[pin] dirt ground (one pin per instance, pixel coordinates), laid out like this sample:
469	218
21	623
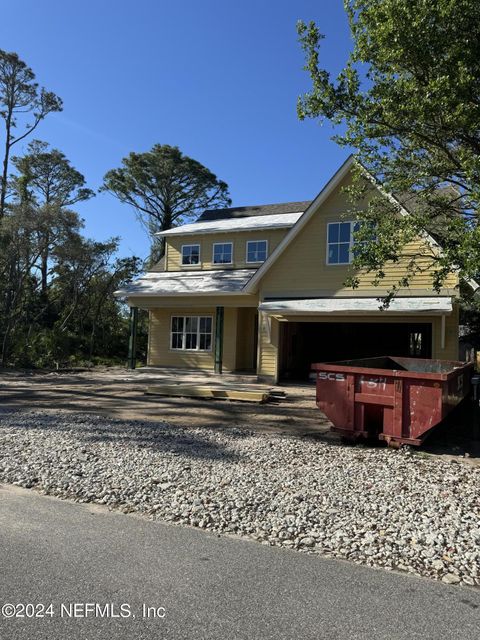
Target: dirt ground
120	393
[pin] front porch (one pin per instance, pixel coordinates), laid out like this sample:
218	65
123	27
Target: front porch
217	339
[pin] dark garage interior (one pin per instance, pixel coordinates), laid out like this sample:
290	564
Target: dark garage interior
302	343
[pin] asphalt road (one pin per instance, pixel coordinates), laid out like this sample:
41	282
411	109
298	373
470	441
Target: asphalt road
206	587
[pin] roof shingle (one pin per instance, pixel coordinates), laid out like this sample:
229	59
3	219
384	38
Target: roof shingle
253	210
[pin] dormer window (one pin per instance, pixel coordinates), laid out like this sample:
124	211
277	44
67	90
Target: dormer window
256	250
223	253
190	254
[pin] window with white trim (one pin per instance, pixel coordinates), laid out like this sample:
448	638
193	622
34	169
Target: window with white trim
340	241
256	250
191	333
190	254
222	253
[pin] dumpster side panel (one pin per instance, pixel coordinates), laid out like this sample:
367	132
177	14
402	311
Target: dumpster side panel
335	397
422	405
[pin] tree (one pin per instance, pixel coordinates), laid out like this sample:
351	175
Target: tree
56	302
165	188
47	180
408	102
21	100
17	281
76	319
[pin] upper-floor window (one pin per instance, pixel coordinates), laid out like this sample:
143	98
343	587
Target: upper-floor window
256	250
340	242
191	333
222	253
191	254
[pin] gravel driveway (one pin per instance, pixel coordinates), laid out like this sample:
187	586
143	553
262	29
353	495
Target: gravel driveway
378	507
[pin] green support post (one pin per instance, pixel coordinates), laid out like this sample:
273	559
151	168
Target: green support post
219	340
132	342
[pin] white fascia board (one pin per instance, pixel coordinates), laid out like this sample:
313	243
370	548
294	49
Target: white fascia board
331	185
181	294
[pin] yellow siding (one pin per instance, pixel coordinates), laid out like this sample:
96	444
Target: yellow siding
160	354
450	352
197	302
206	242
268	344
302	267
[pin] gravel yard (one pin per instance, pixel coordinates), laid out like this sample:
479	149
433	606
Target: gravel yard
379	507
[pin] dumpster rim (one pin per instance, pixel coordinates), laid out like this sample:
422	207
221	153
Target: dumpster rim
396	373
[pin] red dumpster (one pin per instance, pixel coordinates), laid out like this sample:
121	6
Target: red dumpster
398	400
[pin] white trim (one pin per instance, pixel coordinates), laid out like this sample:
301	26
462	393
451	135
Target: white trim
216	244
331	185
192	244
247	261
180	294
184	332
416	306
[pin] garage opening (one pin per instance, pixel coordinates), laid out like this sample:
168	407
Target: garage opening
302	343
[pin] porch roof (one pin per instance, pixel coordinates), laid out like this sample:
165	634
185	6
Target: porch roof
171	283
343	306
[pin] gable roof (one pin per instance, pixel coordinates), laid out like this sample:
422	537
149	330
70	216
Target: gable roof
300	224
229	225
331	185
253	210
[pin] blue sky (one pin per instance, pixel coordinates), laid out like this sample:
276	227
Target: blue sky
218	78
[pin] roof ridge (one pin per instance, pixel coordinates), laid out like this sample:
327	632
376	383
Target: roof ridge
259	206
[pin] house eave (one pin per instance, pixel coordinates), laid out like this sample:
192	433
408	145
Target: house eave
180	294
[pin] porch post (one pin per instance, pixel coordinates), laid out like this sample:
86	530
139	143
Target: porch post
132	342
219	339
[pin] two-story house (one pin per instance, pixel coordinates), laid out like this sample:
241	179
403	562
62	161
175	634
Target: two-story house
261	289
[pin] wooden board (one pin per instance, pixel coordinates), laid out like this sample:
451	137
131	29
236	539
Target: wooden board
218	393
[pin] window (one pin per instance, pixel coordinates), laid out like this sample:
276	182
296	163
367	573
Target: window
191	333
191	254
340	241
256	250
415	339
222	253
